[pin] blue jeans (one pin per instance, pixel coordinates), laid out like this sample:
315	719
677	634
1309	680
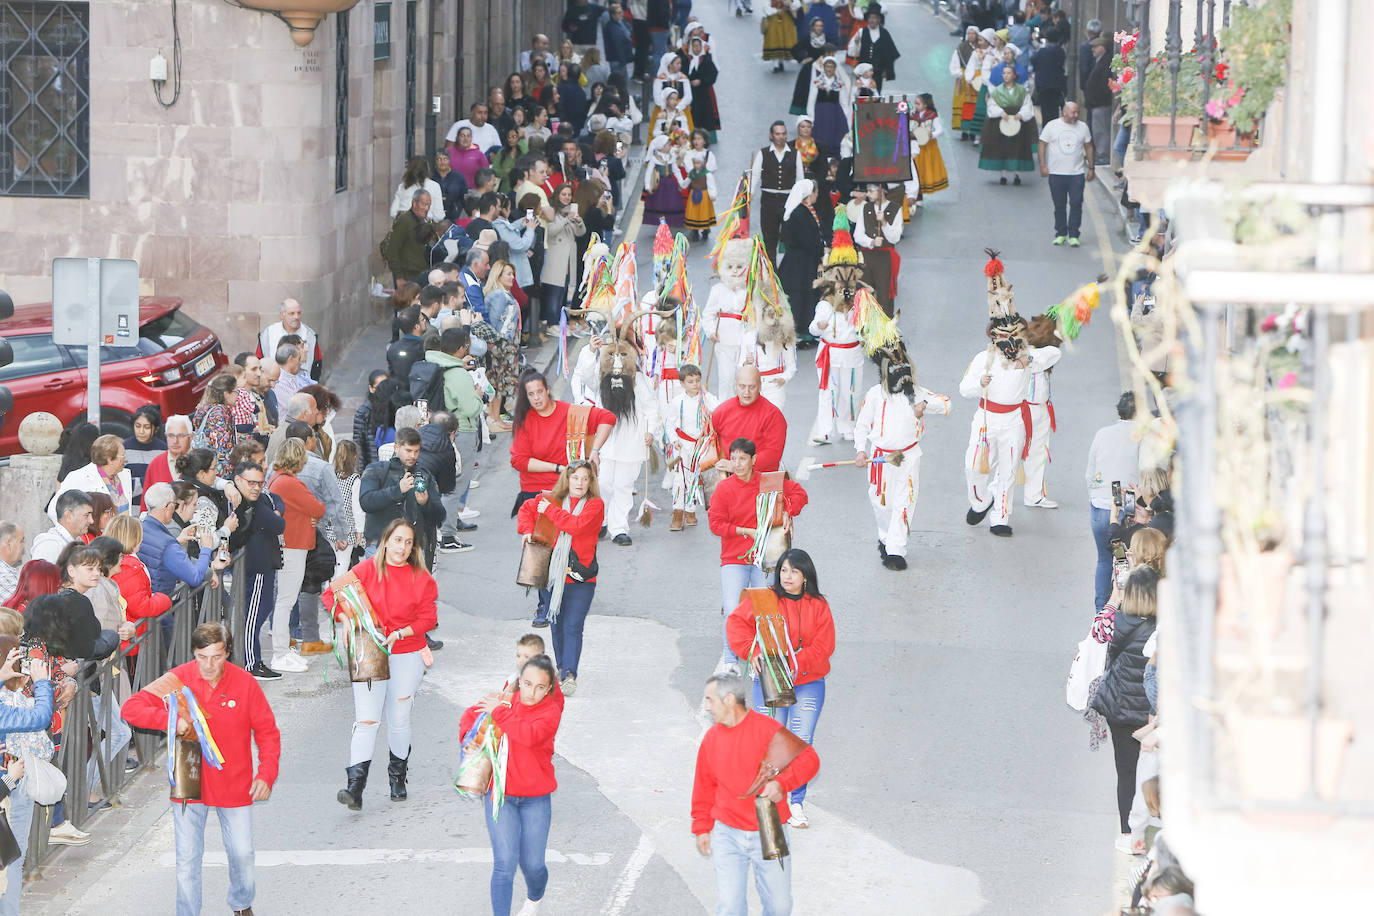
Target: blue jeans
236	827
735	578
1102	582
552	300
519	836
21	820
567	626
1067	189
800	718
732	852
1123	141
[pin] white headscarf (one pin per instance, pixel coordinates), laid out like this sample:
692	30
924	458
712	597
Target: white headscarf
800	191
807	118
664	61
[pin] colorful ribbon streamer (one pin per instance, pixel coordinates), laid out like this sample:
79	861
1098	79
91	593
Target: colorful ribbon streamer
209	750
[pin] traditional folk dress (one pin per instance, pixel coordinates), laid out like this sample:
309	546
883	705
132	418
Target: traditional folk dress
887	425
698	182
881	262
705	113
876	47
1003	420
684	420
840	369
930	175
1002	153
779	29
977	74
807	53
669	80
776	364
828	103
965	96
663	183
724	317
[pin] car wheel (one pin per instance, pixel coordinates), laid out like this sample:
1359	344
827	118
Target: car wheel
112	422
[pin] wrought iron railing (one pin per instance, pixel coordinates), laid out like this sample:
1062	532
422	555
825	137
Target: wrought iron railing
90	715
1174	80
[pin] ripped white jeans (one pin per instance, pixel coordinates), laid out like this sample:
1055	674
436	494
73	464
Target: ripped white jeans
395	696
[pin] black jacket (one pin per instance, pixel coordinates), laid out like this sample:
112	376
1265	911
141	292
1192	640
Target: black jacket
379	494
403	354
1121	696
1096	92
437	457
363	431
261	524
1048	64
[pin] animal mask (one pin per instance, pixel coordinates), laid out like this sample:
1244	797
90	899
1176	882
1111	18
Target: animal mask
1042	332
775	327
895	368
734	262
1009	336
839	283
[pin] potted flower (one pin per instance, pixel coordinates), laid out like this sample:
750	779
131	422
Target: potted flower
1253	68
1165	124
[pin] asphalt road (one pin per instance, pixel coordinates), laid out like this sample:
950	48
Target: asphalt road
953	778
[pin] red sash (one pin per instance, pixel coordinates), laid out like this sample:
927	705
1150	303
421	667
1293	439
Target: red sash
681	434
737	317
774	371
875	468
1049	405
1024	407
823	359
669	374
896	268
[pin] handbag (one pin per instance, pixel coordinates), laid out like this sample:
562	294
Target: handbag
46	783
1086	666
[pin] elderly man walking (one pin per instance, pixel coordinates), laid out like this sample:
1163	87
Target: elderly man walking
1066	156
291	323
301	407
728	777
406	246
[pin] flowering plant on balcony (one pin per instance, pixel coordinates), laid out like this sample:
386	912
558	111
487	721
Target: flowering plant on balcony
1254	63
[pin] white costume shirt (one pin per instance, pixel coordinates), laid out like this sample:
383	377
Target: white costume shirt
722	314
1009	384
626	441
892	231
773	362
839	329
889	422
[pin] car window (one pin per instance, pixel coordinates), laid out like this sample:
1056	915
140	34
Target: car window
167	331
34	354
115	354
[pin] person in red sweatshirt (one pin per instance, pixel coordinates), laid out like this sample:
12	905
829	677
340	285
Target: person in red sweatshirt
539	449
733	516
405	601
748	416
528	718
575	509
724	823
811	632
238	717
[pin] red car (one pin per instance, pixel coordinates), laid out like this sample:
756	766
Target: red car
169	367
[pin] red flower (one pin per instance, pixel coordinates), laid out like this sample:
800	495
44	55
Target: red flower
1221	72
1270	323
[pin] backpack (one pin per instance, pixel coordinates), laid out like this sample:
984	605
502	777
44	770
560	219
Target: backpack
427	383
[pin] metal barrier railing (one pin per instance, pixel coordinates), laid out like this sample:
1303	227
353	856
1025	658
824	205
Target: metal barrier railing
91	714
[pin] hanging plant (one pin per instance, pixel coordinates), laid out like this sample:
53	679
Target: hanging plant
1254	64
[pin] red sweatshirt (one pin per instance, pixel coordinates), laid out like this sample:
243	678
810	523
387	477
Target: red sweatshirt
760	423
546	438
238	715
137	591
405	598
727	763
735	504
159	471
530	731
583	527
809	625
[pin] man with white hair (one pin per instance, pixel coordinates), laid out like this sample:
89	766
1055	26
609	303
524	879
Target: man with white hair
298	407
177	432
292	379
291	323
472	278
540	50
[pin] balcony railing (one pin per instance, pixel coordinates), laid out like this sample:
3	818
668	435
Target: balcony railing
1174	81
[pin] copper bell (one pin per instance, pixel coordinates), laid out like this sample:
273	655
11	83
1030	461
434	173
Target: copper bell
771	838
776	684
186	771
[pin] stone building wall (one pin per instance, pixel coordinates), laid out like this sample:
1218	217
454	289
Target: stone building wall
228	199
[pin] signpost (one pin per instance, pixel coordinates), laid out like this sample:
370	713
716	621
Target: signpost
882	144
94	304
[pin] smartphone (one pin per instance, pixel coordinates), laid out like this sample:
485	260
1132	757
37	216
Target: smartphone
1118	549
572	208
529	214
1128	504
1116	492
222	552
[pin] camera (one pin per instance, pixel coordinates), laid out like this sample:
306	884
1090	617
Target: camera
421	483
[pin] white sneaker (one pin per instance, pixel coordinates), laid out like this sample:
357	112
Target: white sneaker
1043	503
798	819
468	515
66	834
530	908
474	484
288	662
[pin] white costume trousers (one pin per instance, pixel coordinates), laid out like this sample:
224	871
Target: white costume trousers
838	404
777	394
1006	437
1039	455
726	360
894	502
618	490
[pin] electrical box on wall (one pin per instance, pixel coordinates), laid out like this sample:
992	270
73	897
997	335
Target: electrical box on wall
157	69
437	101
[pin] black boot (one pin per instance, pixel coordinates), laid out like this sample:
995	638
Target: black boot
352	794
396	772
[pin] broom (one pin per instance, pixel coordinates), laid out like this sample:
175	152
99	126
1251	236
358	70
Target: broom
646	506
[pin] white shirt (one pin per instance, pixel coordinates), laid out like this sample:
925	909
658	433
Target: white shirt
1064	146
1009	384
721	315
775	363
756	171
527	59
688	414
271	336
484	137
1114	455
405	196
838	329
888	421
892	231
48	545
